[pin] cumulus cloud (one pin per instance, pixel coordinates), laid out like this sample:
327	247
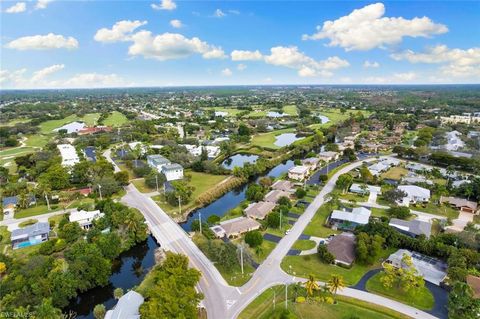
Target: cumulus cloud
227	72
17	8
164	5
367	28
219	13
367	64
396	78
42	4
93	80
43	73
241	67
241	55
176	23
456	62
43	42
121	31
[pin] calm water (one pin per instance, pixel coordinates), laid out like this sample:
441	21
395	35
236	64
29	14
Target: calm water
239	160
128	271
285	139
231	199
323	119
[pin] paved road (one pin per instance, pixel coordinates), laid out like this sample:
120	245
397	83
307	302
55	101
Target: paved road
108	155
12	223
223	301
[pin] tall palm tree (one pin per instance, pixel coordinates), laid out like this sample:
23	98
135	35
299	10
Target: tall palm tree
311	285
335	283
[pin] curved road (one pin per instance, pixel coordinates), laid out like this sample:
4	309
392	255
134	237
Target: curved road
224	301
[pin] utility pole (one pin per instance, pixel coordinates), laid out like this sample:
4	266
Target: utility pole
286	297
180	205
274	297
280	220
200	221
241	257
100	191
48	202
156	181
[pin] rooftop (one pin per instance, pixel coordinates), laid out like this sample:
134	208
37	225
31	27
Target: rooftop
416	226
343	248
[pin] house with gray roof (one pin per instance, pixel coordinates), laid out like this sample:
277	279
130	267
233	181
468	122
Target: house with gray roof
172	171
275	195
235	227
31	235
259	210
412	228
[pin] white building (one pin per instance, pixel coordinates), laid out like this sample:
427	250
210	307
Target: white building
73	127
340	219
415	194
328	156
212	151
157	162
127	307
298	173
172	172
68	154
84	218
365	189
454	142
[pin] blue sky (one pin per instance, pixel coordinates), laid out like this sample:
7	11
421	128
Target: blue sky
57	44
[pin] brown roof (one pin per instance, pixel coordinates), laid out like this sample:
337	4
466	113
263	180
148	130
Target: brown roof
259	210
343	247
274	196
459	202
239	225
474	283
282	185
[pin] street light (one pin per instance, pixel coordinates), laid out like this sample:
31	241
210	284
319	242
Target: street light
156	181
100	191
200	221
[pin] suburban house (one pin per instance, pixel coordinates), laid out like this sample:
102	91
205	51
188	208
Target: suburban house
90	154
283	185
415	167
68	154
342	219
461	204
127	307
93	130
432	270
412	228
157	161
415	194
84	218
172	172
342	247
454	142
70	128
30	235
383	166
364	189
212	151
412	179
328	156
259	210
311	163
274	195
298	173
235	227
10	203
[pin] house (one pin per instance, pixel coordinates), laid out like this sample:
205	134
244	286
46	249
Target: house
342	247
460	203
274	195
364	189
412	228
378	168
157	162
212	151
172	172
416	180
73	127
122	153
90	153
415	194
84	191
328	156
84	218
283	185
342	219
68	154
259	210
311	163
30	235
93	130
298	173
474	283
454	142
127	307
143	149
10	203
235	227
432	270
415	167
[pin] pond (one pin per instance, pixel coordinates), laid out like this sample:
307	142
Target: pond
128	271
239	160
275	114
231	199
323	119
286	139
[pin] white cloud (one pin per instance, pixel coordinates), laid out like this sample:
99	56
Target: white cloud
169	46
42	4
17	8
164	5
405	77
176	23
227	72
367	28
121	31
241	55
368	64
43	42
43	73
456	62
241	67
396	78
219	13
94	80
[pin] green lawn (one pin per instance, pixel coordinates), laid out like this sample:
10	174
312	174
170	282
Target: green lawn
395	173
4	239
203	181
268	139
335	116
115	119
48	126
140	185
263	307
290	110
257	113
421	299
304	244
431	208
316	226
230	111
34	211
37	140
16	151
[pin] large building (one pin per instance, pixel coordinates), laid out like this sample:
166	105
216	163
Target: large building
298	173
343	248
70	128
127	307
68	154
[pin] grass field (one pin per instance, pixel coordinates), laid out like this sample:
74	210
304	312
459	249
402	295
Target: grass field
230	111
115	119
263	308
316	226
335	116
421	299
268	139
14	122
395	173
257	113
304	244
37	140
16	151
47	127
290	110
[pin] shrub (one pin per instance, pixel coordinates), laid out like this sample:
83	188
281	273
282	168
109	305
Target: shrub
400	212
300	193
300	299
47	248
324	255
329	300
213	219
254	238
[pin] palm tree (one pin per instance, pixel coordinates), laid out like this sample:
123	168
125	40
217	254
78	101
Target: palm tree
335	283
311	285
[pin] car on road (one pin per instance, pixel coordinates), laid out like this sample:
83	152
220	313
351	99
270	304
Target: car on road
287	232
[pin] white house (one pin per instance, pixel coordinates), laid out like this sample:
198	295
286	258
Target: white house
328	156
454	142
73	127
172	172
127	307
84	218
212	151
364	189
415	194
298	173
311	162
340	219
68	154
157	162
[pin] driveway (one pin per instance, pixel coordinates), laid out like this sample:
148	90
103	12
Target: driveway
461	221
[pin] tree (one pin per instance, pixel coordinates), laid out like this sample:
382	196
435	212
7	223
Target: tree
394	195
311	285
108	184
254	192
368	247
400	212
243	130
343	182
254	238
265	181
349	154
300	193
335	283
273	220
405	277
70	232
181	192
213	219
122	178
99	311
46	310
324	255
331	147
367	176
56	177
153	178
3	268
461	303
284	201
118	293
